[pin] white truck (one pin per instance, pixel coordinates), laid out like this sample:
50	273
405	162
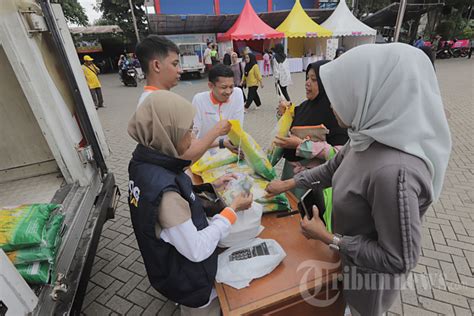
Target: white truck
52	149
191	57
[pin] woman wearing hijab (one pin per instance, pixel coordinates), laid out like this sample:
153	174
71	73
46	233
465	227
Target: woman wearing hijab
176	241
252	79
281	70
227	57
389	173
301	154
238	71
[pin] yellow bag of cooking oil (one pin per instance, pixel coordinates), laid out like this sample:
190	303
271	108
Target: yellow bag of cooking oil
213	158
282	129
254	155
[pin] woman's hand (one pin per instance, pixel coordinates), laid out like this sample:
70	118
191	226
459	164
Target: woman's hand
222	181
234	149
291	142
283	106
242	202
278	186
315	228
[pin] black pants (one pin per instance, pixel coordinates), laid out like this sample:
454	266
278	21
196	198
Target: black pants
285	92
253	96
243	93
470	53
97	97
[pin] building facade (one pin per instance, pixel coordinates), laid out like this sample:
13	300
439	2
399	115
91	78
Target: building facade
218	7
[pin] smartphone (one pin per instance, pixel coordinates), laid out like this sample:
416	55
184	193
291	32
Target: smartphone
247	253
312	197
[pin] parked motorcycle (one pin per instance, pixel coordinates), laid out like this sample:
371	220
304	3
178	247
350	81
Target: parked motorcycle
445	52
460	52
129	76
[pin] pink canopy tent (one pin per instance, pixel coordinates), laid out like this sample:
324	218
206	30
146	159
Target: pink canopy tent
249	27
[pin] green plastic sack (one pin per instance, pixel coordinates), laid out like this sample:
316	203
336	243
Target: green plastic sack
36	273
328	200
48	248
254	155
23	226
283	128
213	158
274	207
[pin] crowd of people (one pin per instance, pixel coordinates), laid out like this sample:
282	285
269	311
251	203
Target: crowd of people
384	173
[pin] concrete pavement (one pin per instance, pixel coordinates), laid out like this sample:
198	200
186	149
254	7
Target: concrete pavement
444	281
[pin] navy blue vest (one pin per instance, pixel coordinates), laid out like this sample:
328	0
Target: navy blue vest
170	273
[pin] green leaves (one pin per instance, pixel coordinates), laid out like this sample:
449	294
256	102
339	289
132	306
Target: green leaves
74	12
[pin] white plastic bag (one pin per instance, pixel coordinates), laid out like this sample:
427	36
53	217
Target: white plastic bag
240	264
246	227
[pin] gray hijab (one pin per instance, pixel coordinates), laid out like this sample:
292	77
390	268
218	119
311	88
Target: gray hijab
389	93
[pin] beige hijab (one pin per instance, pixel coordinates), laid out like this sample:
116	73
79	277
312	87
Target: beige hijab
161	121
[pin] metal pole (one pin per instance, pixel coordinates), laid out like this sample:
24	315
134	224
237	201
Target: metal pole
134	21
401	13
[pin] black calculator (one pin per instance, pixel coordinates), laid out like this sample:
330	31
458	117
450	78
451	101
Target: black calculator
247	253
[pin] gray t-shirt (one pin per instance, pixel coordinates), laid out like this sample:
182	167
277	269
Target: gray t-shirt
379	197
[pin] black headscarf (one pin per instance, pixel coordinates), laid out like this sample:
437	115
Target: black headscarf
315	112
227	60
279	51
250	64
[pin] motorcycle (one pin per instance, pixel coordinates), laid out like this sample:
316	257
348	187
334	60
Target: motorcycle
460	52
444	52
129	76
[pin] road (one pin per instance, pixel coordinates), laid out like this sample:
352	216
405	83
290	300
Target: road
444	275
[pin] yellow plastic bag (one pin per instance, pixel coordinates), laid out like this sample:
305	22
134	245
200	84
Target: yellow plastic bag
213	158
254	155
211	175
283	128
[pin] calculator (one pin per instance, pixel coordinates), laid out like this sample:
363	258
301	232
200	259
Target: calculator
247	253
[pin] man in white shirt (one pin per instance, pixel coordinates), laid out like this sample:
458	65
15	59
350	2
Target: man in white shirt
207	57
159	59
222	102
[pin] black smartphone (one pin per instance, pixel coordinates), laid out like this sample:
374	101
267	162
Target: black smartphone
312	197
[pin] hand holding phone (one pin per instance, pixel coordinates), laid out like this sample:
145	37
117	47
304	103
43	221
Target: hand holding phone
312	197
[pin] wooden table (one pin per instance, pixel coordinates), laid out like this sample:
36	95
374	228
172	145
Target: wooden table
279	293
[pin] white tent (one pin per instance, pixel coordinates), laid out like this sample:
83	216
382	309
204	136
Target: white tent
350	31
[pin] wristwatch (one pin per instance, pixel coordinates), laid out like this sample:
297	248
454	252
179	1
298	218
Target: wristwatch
221	143
336	240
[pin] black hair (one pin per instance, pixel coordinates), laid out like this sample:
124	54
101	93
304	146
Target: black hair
279	51
427	50
154	46
220	70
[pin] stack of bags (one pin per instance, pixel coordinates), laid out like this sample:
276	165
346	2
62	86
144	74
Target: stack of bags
218	162
30	235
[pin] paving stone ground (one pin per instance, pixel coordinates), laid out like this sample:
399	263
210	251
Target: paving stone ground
444	281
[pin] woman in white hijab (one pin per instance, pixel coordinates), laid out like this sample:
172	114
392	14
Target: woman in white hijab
388	174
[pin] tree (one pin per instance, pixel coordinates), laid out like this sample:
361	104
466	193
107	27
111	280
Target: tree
118	12
74	12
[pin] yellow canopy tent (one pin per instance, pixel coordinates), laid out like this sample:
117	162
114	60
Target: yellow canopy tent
298	27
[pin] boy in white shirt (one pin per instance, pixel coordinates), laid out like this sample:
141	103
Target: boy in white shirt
159	59
222	102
